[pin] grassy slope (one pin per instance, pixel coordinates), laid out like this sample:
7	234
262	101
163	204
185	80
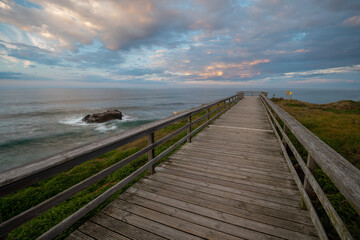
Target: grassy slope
15	203
338	125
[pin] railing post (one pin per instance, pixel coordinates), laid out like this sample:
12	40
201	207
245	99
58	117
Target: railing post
151	153
311	164
189	129
286	130
208	116
2	237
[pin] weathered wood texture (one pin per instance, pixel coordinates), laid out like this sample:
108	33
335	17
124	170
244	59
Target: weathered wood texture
230	182
343	174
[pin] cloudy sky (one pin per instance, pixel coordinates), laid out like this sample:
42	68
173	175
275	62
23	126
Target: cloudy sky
163	43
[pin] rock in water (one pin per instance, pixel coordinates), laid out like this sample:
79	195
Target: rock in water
103	117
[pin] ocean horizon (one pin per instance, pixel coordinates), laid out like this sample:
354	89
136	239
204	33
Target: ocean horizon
37	123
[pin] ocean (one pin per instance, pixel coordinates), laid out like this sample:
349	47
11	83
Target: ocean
37	123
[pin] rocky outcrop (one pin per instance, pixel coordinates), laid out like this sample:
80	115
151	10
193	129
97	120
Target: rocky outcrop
103	117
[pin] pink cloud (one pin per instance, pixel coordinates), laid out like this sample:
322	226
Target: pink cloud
353	21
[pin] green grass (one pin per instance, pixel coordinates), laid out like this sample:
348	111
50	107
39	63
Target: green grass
17	202
338	125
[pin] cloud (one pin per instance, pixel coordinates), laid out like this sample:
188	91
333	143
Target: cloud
338	70
180	41
353	21
11	75
118	25
321	80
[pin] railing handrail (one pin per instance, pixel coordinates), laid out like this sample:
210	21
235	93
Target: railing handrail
24	175
342	173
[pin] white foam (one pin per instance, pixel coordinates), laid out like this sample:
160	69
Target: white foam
101	127
74	121
127	118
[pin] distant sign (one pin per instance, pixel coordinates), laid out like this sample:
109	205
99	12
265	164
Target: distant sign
288	93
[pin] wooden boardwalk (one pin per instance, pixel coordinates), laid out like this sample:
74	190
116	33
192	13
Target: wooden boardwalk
231	182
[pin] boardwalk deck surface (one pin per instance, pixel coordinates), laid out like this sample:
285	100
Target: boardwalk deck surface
231	182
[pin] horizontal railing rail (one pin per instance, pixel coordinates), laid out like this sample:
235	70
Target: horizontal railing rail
341	172
23	176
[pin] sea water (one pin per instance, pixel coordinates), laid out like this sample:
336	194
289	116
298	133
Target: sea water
37	123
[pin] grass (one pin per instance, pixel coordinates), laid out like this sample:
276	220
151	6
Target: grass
338	125
15	203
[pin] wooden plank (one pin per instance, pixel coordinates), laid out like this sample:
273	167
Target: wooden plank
251	164
177	176
241	128
225	180
124	228
256	198
238	172
232	144
259	194
234	174
234	149
98	232
236	153
77	235
179	193
235	142
240	134
252	160
234	135
164	202
197	224
189	228
300	216
188	172
147	224
239	168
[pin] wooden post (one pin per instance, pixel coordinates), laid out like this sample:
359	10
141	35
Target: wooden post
208	116
286	130
151	153
189	129
311	164
2	237
217	110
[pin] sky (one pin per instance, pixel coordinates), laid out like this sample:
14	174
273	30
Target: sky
164	43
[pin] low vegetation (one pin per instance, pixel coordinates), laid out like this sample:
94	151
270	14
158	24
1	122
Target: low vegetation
338	125
15	203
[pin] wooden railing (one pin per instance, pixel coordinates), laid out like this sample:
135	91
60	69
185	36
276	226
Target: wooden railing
23	176
341	172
